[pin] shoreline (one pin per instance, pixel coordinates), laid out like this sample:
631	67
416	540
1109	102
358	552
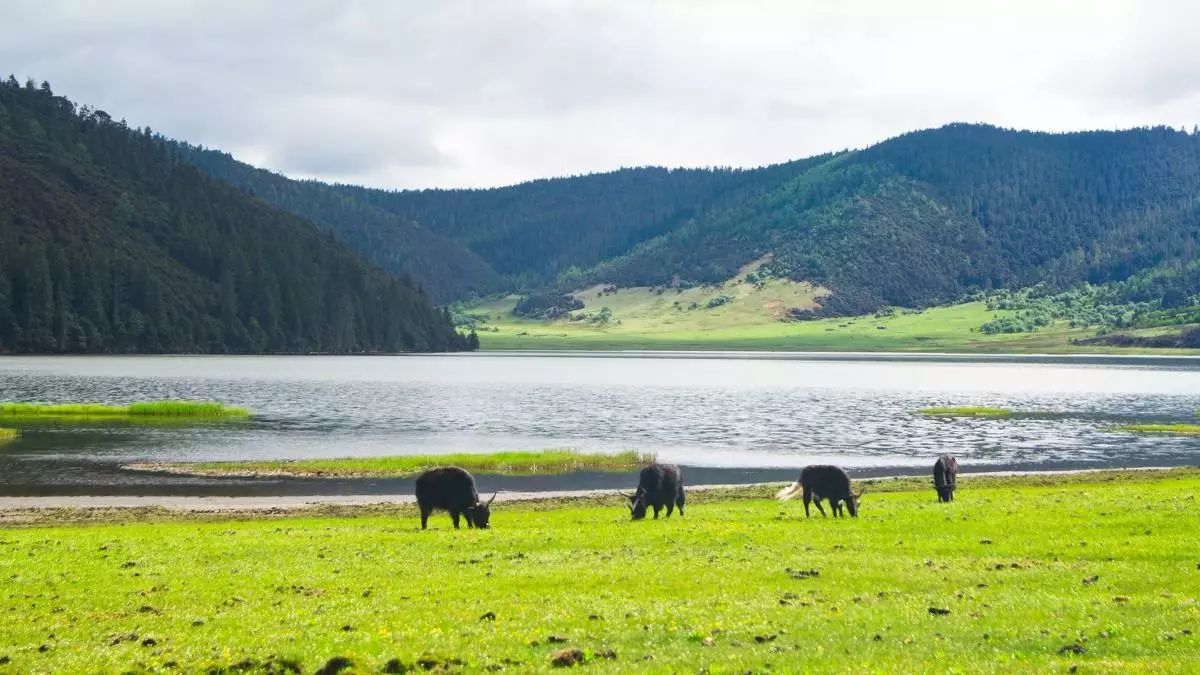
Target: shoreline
12	507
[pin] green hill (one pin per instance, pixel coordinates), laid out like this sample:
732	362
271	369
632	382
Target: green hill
109	243
929	217
921	220
396	244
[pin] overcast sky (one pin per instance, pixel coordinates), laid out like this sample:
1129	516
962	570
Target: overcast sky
418	94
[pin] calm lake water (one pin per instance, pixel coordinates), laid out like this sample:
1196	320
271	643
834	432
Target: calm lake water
750	413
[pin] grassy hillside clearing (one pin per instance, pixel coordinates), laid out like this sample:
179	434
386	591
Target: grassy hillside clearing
1096	572
750	318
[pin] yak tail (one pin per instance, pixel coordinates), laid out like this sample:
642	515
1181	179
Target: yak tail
788	492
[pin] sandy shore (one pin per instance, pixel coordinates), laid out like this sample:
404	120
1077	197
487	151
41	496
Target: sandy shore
274	503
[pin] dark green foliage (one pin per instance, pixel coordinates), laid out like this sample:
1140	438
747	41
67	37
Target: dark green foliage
546	305
395	244
108	243
1168	295
536	231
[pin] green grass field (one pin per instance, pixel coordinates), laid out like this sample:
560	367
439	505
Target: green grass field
750	320
1095	572
173	409
515	463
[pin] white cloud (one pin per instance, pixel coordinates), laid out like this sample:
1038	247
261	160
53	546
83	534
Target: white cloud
414	94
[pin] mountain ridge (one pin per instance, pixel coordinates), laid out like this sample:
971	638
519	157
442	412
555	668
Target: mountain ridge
919	219
110	244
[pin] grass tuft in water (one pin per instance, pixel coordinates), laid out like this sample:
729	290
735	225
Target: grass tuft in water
8	434
513	463
1178	429
207	409
965	411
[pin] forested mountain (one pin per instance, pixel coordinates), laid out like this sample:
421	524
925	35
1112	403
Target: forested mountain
445	269
110	243
920	219
537	231
929	216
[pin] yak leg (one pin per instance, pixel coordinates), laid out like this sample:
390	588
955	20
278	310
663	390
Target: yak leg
670	509
657	508
425	517
807	501
454	515
819	507
679	503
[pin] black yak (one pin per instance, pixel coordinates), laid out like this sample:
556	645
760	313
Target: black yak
945	477
452	489
822	481
659	485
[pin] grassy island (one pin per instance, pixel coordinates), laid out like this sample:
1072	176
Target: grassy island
965	411
8	434
1176	429
171	409
1094	572
515	463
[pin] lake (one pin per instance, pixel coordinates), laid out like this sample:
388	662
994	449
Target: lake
729	417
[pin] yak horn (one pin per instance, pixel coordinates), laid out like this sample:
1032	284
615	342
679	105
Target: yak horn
489	502
624	494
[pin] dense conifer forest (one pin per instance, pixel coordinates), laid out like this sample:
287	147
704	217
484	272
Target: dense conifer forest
922	219
394	243
110	243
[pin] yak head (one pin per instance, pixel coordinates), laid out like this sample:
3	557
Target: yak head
481	512
637	504
852	503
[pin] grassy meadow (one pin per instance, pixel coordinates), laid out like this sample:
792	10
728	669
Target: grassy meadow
750	319
515	463
1093	572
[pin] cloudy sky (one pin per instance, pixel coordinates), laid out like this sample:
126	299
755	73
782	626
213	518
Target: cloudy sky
408	94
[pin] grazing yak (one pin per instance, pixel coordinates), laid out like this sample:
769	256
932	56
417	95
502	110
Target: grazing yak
659	485
452	489
945	477
822	481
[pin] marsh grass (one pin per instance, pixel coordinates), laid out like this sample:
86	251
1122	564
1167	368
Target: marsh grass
514	463
965	411
172	409
8	434
1177	429
1094	572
